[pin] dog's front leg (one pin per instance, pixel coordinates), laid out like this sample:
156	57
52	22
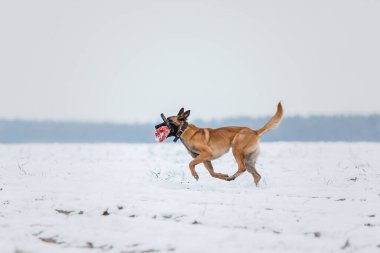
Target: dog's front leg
203	156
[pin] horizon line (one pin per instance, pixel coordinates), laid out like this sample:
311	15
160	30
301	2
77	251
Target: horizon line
75	121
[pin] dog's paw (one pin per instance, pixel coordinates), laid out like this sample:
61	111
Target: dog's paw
196	176
230	178
223	176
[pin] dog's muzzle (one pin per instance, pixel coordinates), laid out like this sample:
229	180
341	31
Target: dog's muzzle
165	129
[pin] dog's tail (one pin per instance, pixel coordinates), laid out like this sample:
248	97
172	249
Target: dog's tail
273	122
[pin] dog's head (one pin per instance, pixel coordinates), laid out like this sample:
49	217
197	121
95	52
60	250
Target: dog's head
178	121
172	126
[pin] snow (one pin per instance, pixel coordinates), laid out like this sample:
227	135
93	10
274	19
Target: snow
314	197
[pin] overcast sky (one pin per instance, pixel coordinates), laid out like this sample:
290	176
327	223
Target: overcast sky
128	61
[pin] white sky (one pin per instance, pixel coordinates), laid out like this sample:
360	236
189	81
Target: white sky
127	61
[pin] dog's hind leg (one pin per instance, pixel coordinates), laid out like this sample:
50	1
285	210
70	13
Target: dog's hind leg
210	169
239	157
256	176
250	163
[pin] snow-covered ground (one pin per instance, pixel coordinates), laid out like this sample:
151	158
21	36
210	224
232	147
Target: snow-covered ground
314	197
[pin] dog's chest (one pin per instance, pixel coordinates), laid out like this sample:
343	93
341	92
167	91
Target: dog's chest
194	153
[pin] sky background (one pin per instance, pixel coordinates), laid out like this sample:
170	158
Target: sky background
128	61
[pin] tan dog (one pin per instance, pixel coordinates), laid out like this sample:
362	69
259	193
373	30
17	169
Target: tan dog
206	144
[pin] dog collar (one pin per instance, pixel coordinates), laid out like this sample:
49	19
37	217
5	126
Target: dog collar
180	131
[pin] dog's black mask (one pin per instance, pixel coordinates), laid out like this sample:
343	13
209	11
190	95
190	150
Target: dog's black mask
173	128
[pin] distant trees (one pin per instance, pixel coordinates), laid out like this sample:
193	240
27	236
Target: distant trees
314	128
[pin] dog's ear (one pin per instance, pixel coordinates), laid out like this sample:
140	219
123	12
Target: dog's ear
186	114
181	112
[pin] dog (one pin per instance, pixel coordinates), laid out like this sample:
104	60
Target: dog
206	144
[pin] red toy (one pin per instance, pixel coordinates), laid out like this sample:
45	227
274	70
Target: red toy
162	133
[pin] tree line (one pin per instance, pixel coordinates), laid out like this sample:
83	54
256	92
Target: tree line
295	128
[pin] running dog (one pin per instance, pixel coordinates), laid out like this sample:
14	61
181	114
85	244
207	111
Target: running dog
206	144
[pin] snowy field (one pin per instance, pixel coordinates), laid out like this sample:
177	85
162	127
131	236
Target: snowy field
314	197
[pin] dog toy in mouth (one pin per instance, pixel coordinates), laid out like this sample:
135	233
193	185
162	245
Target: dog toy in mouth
163	130
162	133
